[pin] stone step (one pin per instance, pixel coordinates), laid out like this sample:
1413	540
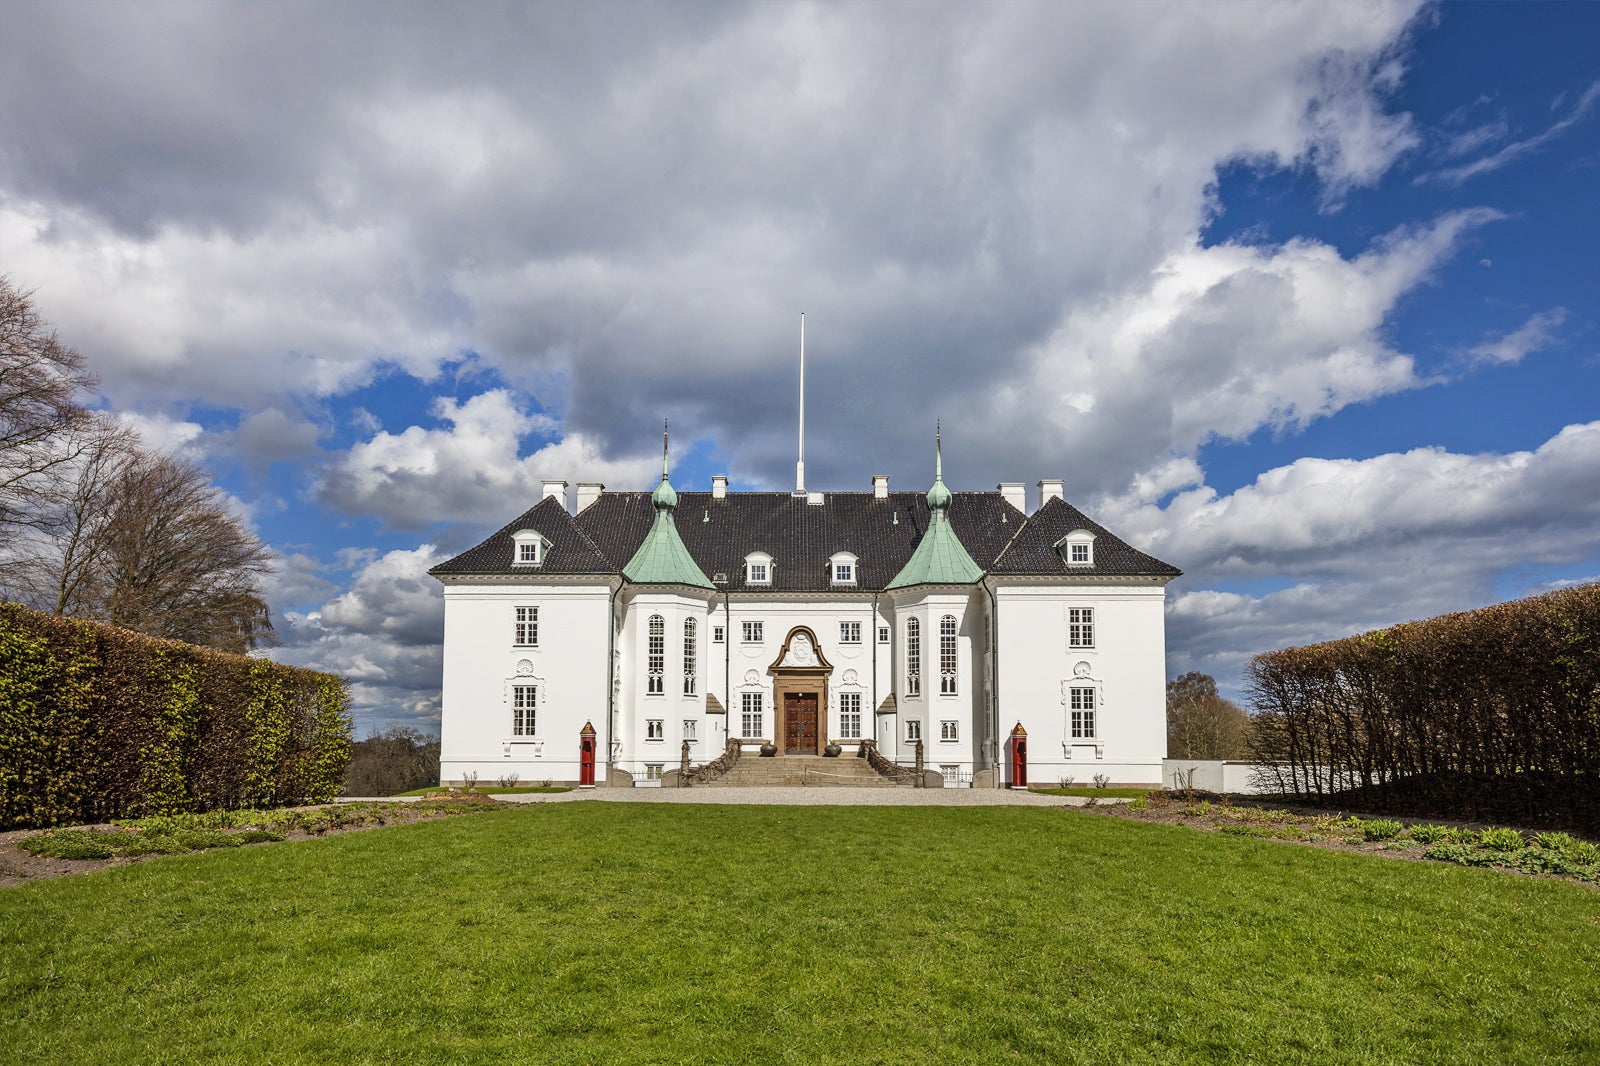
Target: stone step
800	771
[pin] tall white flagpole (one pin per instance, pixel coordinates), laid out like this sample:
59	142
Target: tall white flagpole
800	463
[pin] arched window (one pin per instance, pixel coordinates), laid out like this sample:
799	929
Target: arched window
913	657
947	655
657	662
690	655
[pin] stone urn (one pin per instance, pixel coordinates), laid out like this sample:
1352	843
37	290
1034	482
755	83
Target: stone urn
832	750
768	750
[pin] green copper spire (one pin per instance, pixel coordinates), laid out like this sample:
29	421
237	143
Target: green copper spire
662	559
938	496
940	558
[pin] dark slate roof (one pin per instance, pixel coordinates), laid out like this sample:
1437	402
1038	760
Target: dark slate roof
570	552
1034	551
800	537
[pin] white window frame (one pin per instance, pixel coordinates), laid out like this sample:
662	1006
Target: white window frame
691	730
949	656
842	568
758	569
849	716
656	656
755	631
949	731
655	730
885	634
752	709
719	634
691	657
524	710
913	730
1080	542
1083	709
525	627
913	658
1080	627
523	539
653	771
849	632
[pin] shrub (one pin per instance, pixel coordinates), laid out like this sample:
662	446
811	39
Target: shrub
99	723
1501	840
1067	780
508	780
1101	780
1381	829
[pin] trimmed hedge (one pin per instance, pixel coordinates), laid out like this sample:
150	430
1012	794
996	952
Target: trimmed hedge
1491	714
98	722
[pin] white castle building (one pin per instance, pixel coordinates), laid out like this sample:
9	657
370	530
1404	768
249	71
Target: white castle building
812	622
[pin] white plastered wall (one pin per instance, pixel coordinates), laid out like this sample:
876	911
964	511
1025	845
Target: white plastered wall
1126	668
931	708
482	663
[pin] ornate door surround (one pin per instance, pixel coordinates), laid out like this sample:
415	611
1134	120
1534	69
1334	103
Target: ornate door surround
800	669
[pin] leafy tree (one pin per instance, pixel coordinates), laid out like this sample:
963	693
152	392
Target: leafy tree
1203	725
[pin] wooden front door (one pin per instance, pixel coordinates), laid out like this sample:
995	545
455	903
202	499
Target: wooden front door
800	723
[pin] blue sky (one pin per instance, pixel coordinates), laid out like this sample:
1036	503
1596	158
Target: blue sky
1301	298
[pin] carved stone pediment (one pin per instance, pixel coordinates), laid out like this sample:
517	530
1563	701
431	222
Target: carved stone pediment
801	652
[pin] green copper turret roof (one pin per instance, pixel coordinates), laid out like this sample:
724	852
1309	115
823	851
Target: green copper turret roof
662	559
940	557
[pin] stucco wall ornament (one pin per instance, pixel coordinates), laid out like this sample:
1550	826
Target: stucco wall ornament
801	653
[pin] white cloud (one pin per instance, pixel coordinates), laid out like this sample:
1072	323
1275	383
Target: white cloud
1357	544
384	634
1533	335
1517	149
471	471
1219	343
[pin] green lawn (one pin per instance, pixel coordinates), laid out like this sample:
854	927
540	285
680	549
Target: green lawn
617	933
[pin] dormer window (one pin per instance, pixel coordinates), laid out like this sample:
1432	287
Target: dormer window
1077	548
758	569
528	549
842	567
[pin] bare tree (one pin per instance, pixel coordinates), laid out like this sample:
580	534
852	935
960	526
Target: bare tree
174	560
42	382
60	556
1203	725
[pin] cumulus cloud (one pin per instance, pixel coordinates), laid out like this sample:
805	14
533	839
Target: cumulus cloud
1356	544
385	634
941	186
471	471
1220	342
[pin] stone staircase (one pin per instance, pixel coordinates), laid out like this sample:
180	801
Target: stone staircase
814	771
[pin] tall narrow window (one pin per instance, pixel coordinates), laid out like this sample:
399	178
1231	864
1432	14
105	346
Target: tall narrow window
1080	627
657	663
527	627
717	634
524	701
913	657
655	729
751	718
691	655
850	716
883	634
1082	707
947	655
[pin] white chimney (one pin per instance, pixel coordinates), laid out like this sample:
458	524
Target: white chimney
719	486
558	489
588	492
1050	490
880	486
1015	493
